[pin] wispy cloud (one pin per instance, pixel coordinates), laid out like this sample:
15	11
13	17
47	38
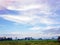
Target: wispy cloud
27	19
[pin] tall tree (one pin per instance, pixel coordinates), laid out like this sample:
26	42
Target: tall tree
59	39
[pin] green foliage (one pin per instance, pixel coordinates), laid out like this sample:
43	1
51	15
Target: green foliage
30	42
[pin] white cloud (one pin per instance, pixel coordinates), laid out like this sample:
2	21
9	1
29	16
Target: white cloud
26	19
35	28
46	20
25	5
41	29
22	8
50	27
30	11
18	19
33	13
42	7
28	34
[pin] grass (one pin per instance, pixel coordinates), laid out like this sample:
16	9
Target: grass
30	42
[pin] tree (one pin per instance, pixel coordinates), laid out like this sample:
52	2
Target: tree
40	39
59	39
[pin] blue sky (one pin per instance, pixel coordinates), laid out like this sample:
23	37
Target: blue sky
33	18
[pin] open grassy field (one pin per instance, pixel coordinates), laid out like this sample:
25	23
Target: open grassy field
30	42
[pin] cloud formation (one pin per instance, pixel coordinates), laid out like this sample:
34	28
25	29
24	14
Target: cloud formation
40	14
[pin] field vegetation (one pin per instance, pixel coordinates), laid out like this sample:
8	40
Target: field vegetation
30	42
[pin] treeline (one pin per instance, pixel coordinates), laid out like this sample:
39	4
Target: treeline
4	38
26	38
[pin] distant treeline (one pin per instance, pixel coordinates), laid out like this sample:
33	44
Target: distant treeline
4	38
27	38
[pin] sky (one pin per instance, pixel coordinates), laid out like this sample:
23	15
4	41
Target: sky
30	18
